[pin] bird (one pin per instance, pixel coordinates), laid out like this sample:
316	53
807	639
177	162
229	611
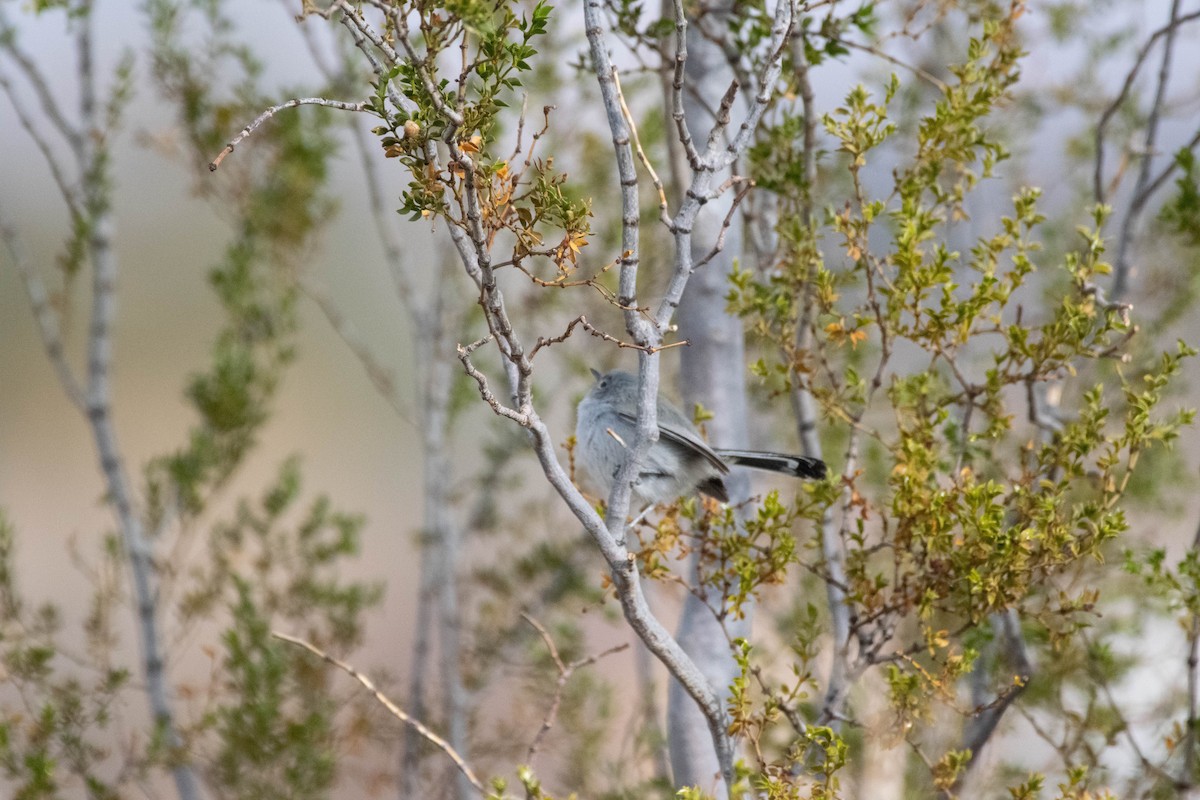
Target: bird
680	462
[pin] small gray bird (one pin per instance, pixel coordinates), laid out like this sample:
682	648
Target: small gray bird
679	463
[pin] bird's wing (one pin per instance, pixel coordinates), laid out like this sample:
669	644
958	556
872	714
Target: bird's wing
685	439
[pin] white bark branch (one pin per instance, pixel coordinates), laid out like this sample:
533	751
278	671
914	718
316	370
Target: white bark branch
92	203
272	111
44	314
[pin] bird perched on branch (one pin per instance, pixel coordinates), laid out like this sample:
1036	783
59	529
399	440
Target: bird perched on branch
679	463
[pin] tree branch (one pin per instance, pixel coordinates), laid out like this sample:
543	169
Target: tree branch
272	111
50	106
1098	187
980	728
1121	265
1189	745
383	378
70	194
45	315
91	207
392	708
565	671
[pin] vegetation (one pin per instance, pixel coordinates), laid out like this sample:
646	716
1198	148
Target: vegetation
995	394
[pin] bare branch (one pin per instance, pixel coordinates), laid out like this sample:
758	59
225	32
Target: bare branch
582	322
1098	187
364	37
982	725
380	375
1171	167
781	32
565	671
1121	266
464	355
719	245
394	709
716	159
69	193
45	315
562	282
54	113
431	88
137	546
272	111
915	69
1193	686
641	331
677	84
663	207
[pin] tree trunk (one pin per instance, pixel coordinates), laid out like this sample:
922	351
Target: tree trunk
712	372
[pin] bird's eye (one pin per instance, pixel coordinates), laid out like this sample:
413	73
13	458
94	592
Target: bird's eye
604	383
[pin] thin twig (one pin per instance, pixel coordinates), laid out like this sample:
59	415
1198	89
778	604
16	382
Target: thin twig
719	245
562	282
272	111
1098	187
464	355
985	719
45	314
677	84
70	193
915	69
381	376
565	671
433	92
664	211
387	703
74	135
581	322
1125	727
1121	265
364	38
1193	685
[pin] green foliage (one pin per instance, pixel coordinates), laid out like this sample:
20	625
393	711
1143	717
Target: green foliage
277	205
277	737
930	354
275	721
962	493
478	192
1182	212
293	569
736	559
55	720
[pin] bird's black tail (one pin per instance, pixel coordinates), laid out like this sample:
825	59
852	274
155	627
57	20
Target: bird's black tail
796	466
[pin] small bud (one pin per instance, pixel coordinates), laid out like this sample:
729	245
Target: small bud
411	129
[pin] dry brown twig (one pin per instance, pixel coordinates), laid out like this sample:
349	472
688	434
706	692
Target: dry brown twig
394	709
664	211
565	671
581	322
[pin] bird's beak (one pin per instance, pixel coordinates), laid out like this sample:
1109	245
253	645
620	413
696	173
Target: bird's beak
596	375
